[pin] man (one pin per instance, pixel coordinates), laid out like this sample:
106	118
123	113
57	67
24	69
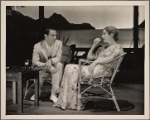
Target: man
47	56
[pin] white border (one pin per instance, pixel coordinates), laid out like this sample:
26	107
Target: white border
71	3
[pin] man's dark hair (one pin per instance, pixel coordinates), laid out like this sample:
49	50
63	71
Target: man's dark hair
46	31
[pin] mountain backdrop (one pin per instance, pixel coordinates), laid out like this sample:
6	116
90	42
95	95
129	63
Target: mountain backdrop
22	32
56	21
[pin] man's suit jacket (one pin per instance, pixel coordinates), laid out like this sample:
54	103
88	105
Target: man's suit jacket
40	53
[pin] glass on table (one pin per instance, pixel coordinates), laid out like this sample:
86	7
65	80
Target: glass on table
27	63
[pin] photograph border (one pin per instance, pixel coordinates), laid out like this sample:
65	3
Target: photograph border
74	3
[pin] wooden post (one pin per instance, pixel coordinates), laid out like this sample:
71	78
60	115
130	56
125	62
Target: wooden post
41	22
135	29
19	93
135	35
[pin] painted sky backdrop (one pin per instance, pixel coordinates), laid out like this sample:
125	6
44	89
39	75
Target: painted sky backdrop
97	16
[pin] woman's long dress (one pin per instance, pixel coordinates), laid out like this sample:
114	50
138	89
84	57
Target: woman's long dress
68	91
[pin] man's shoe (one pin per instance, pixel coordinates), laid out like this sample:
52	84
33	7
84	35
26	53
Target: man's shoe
32	98
53	98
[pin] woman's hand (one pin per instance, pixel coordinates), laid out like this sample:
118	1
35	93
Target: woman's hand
91	54
96	41
91	67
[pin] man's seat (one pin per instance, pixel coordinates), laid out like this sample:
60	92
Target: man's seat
31	82
66	58
104	83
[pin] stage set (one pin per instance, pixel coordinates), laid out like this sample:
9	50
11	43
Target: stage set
23	31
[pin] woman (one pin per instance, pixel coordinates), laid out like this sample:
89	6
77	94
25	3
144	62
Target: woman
68	91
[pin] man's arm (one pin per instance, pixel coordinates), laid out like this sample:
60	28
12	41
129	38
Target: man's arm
36	57
58	54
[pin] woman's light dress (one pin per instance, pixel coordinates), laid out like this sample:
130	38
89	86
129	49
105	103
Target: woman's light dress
68	91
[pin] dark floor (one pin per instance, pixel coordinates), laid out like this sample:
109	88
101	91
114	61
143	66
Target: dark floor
130	98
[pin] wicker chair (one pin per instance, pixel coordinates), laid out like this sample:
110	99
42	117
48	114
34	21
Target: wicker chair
104	83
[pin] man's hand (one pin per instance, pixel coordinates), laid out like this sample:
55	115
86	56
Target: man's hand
48	63
53	69
41	65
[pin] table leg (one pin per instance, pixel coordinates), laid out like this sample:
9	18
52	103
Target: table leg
19	93
14	91
36	102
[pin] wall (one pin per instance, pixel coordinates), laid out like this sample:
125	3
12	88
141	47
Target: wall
132	67
84	38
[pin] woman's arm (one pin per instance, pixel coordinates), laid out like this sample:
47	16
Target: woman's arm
103	60
91	55
114	54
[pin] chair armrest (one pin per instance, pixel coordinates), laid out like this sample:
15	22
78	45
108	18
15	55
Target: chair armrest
84	61
89	62
116	58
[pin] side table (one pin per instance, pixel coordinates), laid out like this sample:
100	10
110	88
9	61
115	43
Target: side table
17	75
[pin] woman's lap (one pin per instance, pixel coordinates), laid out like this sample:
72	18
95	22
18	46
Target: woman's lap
68	91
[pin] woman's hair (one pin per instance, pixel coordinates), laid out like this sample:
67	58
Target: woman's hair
112	29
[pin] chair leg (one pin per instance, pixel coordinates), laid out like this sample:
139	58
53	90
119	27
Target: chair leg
14	92
114	99
79	98
115	102
79	102
26	88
